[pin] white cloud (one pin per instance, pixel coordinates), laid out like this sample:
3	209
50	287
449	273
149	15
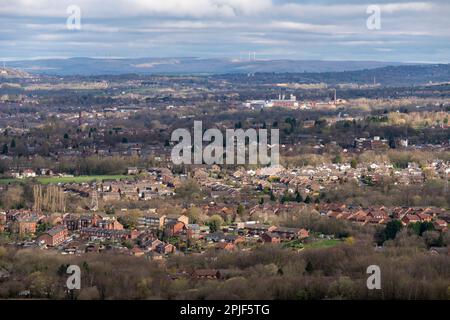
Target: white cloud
407	6
120	8
305	27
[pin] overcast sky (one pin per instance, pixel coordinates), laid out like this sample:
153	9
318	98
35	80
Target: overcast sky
414	31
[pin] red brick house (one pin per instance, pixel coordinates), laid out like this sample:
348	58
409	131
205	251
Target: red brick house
137	252
54	236
269	237
109	224
225	246
440	225
71	222
206	274
174	228
26	226
334	214
176	217
89	221
291	233
258	229
99	233
424	217
234	239
155	244
410	218
165	248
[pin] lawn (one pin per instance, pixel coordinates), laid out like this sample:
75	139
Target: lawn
77	179
324	243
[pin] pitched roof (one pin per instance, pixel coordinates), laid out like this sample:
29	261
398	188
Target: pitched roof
55	230
271	235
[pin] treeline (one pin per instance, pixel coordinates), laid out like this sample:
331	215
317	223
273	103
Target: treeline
403	75
91	165
407	272
333	154
431	193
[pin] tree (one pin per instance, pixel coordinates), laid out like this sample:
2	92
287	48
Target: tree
13	198
433	238
240	209
2	252
110	210
308	199
379	236
66	136
5	149
420	227
215	222
40	284
188	189
62	269
426	226
272	196
13	144
42	227
392	228
353	163
194	214
309	267
337	159
342	288
286	197
131	220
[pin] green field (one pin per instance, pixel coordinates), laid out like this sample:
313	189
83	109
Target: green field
325	243
77	179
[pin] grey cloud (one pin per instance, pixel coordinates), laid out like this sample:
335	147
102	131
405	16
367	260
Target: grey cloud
322	29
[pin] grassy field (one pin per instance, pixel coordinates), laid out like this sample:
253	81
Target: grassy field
325	243
78	179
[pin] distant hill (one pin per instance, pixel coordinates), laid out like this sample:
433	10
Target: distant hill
89	66
262	71
393	75
403	75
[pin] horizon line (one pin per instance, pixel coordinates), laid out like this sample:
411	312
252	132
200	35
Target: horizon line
37	58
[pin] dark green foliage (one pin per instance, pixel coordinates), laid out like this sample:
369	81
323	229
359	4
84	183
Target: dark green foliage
392	228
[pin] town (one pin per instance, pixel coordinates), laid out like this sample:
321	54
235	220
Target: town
88	176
